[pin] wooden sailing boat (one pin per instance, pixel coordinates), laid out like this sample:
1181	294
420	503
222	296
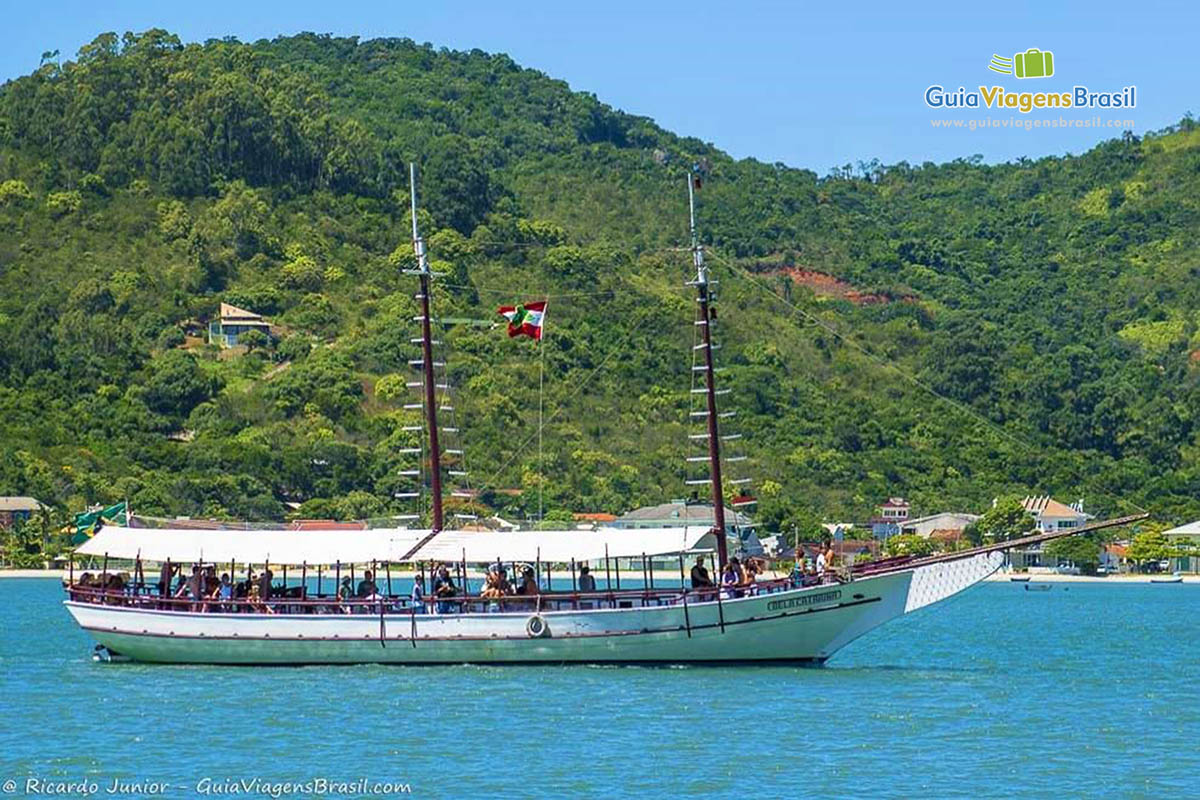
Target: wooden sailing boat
769	621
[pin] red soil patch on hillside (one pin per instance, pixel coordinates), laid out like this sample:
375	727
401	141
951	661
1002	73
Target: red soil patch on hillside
825	285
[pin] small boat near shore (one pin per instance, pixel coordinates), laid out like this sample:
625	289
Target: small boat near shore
1019	578
1037	587
1168	579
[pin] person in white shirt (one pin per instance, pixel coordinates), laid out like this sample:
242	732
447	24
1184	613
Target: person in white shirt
418	595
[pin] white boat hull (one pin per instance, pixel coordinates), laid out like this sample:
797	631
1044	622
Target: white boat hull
797	625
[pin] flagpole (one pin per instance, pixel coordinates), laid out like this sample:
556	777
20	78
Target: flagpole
541	406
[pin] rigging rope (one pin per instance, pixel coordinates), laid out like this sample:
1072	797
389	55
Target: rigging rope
517	451
887	364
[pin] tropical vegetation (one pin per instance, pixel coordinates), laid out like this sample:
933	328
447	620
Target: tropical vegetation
949	332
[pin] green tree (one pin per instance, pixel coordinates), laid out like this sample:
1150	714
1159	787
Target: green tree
14	192
254	340
1082	551
1149	546
177	384
908	544
1006	519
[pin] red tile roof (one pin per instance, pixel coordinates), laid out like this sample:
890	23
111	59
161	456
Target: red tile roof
946	534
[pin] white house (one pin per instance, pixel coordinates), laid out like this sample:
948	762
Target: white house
1049	515
892	515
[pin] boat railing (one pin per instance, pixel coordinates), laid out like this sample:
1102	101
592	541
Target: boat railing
145	596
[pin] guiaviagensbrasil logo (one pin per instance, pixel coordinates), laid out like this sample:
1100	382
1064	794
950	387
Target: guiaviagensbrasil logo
1033	63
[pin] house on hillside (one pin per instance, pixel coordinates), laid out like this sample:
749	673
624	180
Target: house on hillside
1049	515
232	323
17	509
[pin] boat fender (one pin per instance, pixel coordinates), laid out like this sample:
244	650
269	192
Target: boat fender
536	627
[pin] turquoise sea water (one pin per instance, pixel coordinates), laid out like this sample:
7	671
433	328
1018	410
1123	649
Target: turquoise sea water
1082	691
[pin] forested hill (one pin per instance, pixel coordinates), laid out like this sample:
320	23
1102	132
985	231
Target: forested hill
147	181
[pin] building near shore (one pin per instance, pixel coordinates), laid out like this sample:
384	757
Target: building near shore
591	520
739	530
17	509
1049	515
945	521
1189	537
892	515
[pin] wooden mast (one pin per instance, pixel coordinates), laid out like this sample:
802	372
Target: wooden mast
704	320
425	276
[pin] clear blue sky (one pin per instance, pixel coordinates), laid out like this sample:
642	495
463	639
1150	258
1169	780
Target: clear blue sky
813	86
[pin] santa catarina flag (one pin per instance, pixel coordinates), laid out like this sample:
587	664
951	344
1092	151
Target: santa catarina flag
524	320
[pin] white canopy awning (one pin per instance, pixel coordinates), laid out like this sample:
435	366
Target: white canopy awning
278	546
558	546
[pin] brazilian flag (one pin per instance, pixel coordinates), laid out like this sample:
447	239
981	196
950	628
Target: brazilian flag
85	523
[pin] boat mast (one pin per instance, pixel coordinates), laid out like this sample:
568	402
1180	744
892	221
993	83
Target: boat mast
704	320
425	276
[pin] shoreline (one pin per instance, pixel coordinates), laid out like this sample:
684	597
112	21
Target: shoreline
1053	577
997	577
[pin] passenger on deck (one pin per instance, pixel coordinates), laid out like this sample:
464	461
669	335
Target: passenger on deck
730	577
797	573
264	584
345	595
587	581
529	586
700	577
443	589
751	572
181	587
821	563
255	599
491	590
224	591
169	571
366	587
829	556
211	582
587	585
417	598
191	587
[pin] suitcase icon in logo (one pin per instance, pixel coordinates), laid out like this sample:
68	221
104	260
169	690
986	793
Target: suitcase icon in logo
1033	63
